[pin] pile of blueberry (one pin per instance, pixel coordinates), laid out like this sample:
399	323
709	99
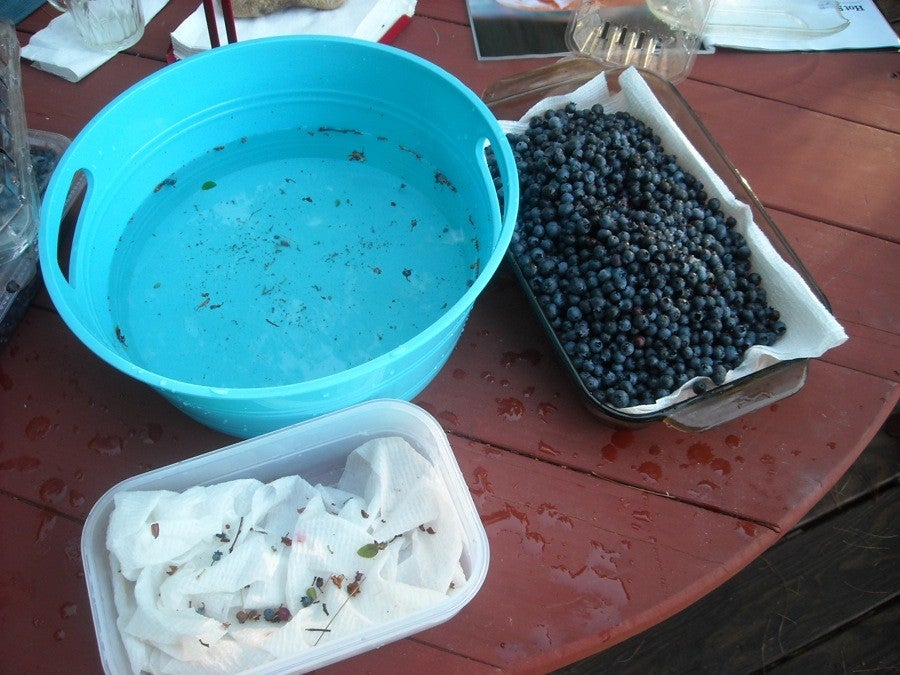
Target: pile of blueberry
643	279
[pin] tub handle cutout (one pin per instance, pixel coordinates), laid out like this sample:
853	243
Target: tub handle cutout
61	213
509	178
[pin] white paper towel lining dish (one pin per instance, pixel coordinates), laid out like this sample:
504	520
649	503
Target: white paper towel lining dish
811	328
375	471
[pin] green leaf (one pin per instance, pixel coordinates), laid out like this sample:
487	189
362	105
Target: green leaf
369	550
311	593
208	185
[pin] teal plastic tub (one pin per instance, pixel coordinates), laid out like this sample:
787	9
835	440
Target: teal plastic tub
280	228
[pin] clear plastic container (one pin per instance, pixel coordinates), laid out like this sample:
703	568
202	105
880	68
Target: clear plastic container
18	277
18	200
316	450
758	22
662	36
511	98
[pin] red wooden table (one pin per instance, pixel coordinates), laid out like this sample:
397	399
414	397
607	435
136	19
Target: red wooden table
595	534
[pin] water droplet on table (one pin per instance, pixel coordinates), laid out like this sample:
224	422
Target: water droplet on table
548	449
482	483
45	527
37	428
510	408
700	453
52	490
449	417
106	445
651	470
20	464
622	438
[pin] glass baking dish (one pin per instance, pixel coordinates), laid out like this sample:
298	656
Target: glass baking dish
511	98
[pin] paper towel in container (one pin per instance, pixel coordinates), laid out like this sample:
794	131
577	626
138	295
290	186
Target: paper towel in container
285	552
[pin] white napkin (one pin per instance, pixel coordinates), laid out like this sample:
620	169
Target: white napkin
184	563
811	329
363	19
58	48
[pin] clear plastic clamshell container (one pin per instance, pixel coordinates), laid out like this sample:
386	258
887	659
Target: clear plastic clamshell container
663	36
19	277
511	98
18	199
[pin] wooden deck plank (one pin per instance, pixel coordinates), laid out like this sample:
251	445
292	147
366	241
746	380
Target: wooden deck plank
409	656
605	555
447	10
46	610
456	53
860	276
42	615
862	646
858	273
597	540
847	85
845	173
532	527
501	384
47	91
49	97
67	413
798	592
875	469
868	350
505	365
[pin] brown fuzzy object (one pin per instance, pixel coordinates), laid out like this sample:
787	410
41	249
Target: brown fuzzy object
245	9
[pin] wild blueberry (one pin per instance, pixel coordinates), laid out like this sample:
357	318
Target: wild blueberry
621	246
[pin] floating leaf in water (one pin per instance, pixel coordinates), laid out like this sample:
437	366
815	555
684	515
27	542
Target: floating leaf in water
208	185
